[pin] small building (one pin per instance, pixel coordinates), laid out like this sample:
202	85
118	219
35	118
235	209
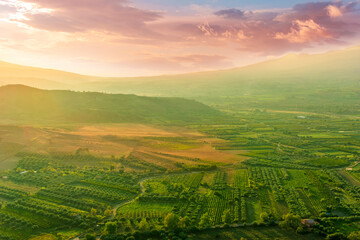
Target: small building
349	169
308	222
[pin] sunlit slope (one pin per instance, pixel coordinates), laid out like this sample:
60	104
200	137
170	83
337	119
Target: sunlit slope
39	77
19	103
291	73
327	83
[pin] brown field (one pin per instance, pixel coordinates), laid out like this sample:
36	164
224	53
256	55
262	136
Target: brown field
208	153
164	146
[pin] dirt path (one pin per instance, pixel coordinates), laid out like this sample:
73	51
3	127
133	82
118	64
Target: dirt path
116	207
141	183
114	210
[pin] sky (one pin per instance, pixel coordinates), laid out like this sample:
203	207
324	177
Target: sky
156	37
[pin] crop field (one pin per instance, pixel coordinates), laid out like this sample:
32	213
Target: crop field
263	163
253	234
306	193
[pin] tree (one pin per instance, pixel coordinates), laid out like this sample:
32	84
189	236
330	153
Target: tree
354	236
93	212
226	217
185	222
144	225
171	221
90	237
108	212
267	217
110	227
290	221
205	221
336	236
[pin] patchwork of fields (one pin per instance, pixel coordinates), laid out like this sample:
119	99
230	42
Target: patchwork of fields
251	192
134	175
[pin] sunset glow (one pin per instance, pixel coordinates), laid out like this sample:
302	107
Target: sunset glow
133	38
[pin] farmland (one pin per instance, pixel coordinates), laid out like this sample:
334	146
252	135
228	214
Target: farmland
180	120
136	175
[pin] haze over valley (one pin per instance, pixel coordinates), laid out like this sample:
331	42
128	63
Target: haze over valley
179	120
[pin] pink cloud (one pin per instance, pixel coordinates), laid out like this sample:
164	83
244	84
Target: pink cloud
92	15
116	31
276	32
304	31
334	11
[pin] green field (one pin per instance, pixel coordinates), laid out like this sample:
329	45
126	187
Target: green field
278	166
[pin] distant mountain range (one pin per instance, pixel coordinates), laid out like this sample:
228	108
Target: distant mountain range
323	82
335	66
289	74
22	104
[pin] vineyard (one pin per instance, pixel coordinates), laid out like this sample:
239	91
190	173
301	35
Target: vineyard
308	170
254	190
66	196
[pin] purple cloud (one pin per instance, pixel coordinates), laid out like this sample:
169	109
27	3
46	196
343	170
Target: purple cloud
231	13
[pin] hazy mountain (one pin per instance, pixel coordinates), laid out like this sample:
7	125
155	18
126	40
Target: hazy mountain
327	82
290	73
336	67
39	77
25	104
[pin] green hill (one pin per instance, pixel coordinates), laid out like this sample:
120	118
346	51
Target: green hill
28	105
39	77
328	82
292	71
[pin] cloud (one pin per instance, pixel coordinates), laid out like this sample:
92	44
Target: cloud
208	30
231	13
307	23
304	31
334	11
113	16
283	30
116	31
6	9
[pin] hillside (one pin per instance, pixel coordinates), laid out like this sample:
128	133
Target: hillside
327	82
25	104
338	67
39	77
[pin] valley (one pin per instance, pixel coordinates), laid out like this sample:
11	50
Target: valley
259	162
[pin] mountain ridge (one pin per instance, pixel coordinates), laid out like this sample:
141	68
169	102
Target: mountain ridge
27	105
75	78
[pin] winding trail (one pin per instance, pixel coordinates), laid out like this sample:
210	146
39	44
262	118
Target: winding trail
141	183
116	207
114	210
